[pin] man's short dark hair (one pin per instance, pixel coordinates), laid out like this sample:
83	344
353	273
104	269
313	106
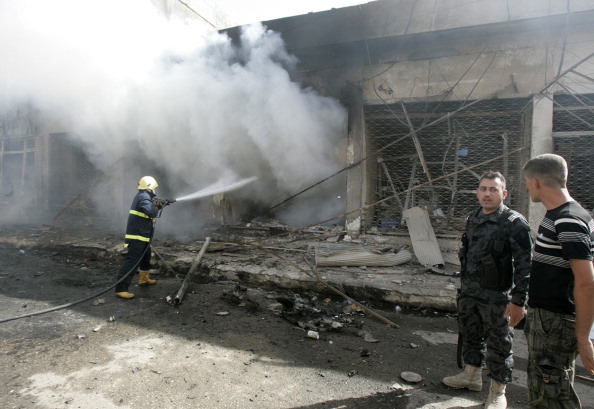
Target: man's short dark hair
493	175
548	167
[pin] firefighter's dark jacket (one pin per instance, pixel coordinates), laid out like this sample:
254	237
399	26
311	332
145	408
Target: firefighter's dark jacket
140	220
496	255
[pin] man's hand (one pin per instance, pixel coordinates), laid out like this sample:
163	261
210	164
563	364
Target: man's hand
158	203
515	313
583	294
586	352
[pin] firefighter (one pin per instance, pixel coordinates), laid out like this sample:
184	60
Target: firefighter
139	232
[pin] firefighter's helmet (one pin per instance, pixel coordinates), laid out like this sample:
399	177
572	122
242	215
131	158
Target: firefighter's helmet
147	183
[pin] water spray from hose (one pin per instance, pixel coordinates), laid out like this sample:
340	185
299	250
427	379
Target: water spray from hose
217	187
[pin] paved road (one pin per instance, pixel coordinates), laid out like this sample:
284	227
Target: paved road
213	353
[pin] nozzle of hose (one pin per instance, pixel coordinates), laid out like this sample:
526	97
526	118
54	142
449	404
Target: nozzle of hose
164	202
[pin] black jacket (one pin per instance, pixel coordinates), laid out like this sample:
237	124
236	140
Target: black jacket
483	233
140	219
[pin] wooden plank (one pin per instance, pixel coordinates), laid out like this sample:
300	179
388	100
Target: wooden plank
391	182
182	290
416	142
411	183
572	134
442	115
423	237
583	75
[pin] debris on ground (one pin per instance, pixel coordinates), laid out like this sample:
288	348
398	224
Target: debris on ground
442	271
239	297
411	377
367	337
313	334
329	316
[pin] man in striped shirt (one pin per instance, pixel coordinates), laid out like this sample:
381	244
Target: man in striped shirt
561	290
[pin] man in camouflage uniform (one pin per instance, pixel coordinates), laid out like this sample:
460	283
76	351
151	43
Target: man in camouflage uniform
561	297
495	258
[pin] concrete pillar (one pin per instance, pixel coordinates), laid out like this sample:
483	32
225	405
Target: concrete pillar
356	150
541	142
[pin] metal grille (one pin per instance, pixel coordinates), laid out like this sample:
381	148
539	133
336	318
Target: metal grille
422	153
573	136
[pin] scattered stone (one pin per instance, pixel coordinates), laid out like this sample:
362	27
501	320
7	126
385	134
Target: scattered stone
313	334
401	387
276	307
367	337
222	313
336	325
411	377
239	296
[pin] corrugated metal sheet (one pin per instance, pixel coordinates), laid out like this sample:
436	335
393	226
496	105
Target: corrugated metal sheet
360	257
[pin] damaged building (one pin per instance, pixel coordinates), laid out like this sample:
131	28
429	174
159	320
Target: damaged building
435	99
436	92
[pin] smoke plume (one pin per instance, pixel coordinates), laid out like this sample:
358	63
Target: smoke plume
167	98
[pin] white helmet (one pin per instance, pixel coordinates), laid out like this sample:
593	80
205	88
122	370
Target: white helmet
147	183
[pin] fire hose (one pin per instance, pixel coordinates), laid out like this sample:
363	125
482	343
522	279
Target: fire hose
161	203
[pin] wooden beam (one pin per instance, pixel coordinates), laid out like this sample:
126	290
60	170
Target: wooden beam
385	168
441	114
182	290
572	134
417	143
582	75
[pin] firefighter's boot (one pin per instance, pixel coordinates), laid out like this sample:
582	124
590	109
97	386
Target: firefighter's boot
470	379
145	279
496	399
124	294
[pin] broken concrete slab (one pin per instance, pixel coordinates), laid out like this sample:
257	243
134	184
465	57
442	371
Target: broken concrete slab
423	237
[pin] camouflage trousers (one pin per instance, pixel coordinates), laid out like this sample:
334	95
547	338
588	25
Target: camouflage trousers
486	335
552	349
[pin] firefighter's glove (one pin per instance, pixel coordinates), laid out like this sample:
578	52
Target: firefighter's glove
159	203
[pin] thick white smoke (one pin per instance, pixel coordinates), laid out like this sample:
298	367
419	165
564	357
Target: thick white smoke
129	83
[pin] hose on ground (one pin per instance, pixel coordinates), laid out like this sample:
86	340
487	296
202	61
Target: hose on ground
90	297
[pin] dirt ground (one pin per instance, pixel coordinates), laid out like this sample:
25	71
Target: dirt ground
224	346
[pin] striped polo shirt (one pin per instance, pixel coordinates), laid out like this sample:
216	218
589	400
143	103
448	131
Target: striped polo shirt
566	232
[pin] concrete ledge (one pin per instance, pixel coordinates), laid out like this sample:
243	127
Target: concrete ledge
408	285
